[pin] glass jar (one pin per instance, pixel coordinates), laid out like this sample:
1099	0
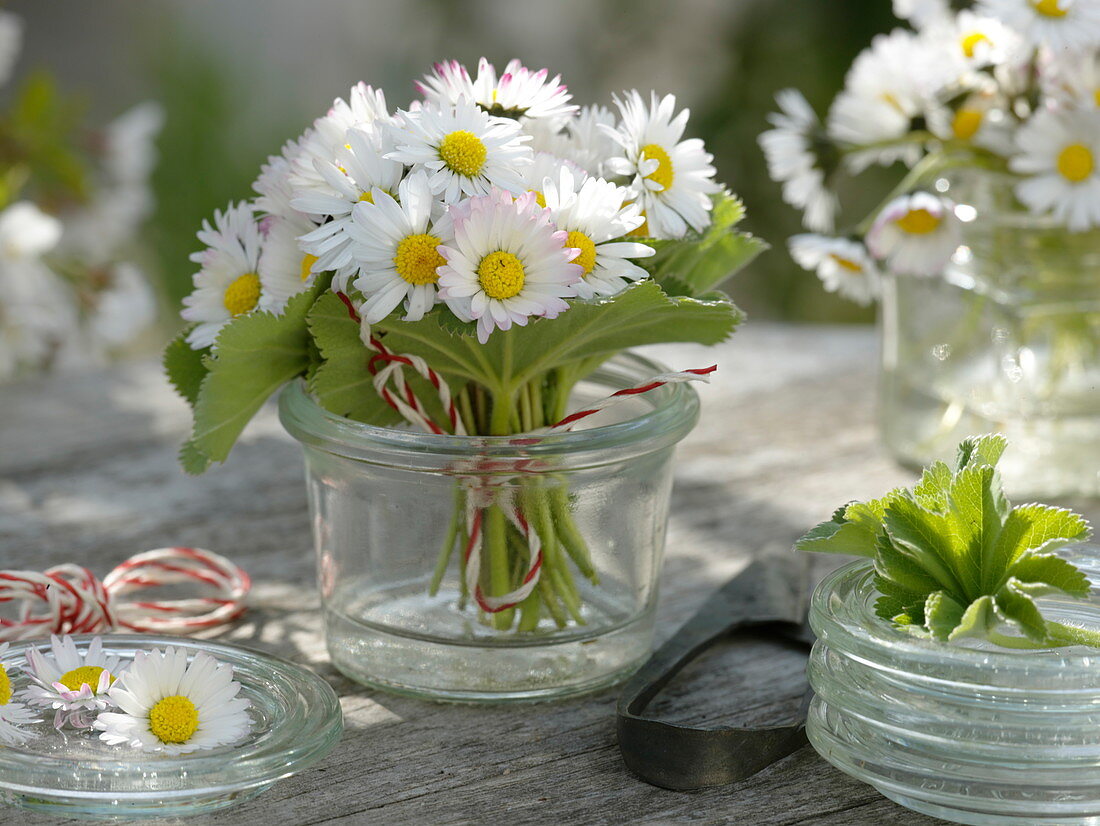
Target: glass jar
393	511
971	733
1007	339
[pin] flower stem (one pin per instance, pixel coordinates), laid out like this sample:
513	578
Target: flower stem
449	542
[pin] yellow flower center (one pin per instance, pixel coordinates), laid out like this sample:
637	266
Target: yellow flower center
1096	95
463	152
500	275
1075	162
587	259
5	687
918	222
366	196
242	295
174	719
663	174
846	263
971	42
966	124
1049	8
89	674
416	259
307	266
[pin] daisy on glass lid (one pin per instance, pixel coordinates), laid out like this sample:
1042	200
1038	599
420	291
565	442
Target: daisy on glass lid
1060	25
13	715
591	210
359	167
227	284
1059	151
172	706
916	234
70	680
801	157
506	264
464	150
674	177
517	92
394	245
842	264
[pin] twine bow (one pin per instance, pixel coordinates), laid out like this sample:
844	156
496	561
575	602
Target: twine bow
70	599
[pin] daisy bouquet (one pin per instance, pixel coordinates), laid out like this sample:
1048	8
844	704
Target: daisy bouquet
486	247
1011	87
72	202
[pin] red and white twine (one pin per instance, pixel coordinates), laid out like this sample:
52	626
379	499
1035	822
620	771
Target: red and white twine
480	496
70	599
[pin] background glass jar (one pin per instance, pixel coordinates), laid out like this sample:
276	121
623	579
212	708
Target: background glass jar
1008	340
389	509
968	732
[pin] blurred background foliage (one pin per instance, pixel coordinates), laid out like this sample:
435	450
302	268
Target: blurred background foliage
239	78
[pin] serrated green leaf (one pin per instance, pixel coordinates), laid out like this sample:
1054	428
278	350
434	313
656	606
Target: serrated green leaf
185	367
899	573
839	537
342	382
975	509
692	265
942	615
923	536
192	460
255	355
931	490
1051	571
1032	529
979	618
641	314
1020	609
981	450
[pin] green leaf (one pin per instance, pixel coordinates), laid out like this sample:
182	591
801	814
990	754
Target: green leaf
942	615
255	355
186	368
931	490
695	264
342	382
981	450
641	314
1052	571
924	537
975	509
978	620
1020	609
839	537
1033	529
896	567
193	460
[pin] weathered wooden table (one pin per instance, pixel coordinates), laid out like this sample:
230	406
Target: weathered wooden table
88	474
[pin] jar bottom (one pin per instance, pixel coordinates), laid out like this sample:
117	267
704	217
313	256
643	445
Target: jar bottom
513	667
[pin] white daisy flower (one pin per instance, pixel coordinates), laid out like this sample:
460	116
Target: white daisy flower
887	91
464	150
359	168
674	177
13	715
518	92
547	167
11	37
843	265
68	680
394	245
1060	154
170	706
284	268
590	144
1074	80
507	263
124	308
273	188
916	234
227	284
591	210
801	157
922	13
1060	25
365	105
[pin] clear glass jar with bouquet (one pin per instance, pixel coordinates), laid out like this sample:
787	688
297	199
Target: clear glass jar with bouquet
983	255
955	670
447	306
